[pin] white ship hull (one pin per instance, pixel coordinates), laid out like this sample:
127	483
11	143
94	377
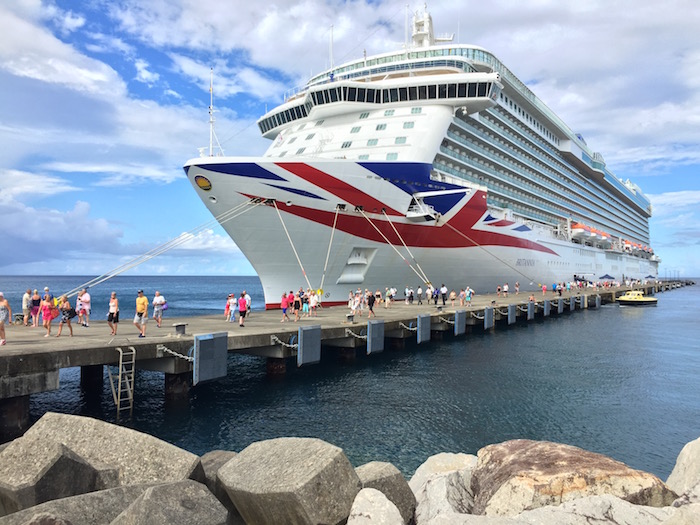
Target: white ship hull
287	238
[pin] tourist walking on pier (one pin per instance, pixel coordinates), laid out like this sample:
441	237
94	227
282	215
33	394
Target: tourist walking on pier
242	309
5	316
370	306
505	290
443	293
419	294
36	304
158	307
85	308
248	303
141	317
26	306
67	313
113	313
47	309
283	305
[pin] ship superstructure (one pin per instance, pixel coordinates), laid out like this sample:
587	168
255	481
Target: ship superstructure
430	164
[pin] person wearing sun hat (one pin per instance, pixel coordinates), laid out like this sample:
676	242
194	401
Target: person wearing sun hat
5	316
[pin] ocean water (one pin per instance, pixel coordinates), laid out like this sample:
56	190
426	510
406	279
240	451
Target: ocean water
619	381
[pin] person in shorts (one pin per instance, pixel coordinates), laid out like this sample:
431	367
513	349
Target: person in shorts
141	317
113	314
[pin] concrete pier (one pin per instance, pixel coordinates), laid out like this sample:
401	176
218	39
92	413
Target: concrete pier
30	363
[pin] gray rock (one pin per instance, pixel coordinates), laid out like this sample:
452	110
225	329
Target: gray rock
440	464
471	519
387	479
45	518
445	493
211	463
686	472
595	510
372	507
33	471
521	475
686	515
139	458
691	496
291	480
94	508
180	502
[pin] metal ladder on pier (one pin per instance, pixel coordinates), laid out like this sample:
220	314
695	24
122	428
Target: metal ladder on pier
123	391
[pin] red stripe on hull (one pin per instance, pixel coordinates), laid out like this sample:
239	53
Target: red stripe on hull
422	235
337	187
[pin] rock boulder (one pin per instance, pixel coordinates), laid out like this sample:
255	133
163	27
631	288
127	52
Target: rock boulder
138	458
686	472
387	479
372	507
291	480
519	475
180	502
94	508
33	471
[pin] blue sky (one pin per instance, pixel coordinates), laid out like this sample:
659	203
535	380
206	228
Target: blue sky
102	102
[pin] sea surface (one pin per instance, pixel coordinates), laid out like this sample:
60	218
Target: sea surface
621	381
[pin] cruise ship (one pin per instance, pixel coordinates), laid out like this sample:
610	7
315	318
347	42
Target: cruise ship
432	164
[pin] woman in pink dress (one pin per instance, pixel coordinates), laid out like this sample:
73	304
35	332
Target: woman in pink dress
47	314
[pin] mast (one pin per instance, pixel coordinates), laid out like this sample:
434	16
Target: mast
211	112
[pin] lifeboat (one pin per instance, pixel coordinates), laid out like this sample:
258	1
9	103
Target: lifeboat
605	240
580	231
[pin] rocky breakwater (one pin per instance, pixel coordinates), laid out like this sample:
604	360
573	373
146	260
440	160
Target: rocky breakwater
72	470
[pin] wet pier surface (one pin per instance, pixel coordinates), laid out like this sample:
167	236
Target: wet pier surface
30	362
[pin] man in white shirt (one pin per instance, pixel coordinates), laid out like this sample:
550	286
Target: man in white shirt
26	305
248	302
85	306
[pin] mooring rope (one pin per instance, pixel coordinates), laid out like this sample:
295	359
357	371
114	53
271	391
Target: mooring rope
289	237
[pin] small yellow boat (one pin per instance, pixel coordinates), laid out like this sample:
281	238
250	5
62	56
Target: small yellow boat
636	298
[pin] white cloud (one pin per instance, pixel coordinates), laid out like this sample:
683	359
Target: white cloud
16	183
675	201
29	50
143	74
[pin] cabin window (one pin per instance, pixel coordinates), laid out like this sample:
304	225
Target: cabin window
355	129
300	151
334	95
352	94
363	157
392	156
442	91
394	95
413	93
291	140
403	94
361	94
372	142
422	92
432	92
416	111
462	90
372	96
472	89
346	144
310	136
452	91
319	123
408	125
482	89
381	127
400	140
364	115
389	113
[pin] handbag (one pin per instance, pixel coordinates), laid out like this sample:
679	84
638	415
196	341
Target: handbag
165	306
54	313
